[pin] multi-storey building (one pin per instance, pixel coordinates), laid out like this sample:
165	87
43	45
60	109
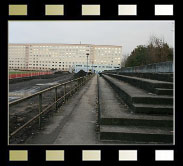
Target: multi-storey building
65	57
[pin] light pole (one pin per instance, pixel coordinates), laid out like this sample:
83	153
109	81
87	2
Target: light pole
92	66
87	62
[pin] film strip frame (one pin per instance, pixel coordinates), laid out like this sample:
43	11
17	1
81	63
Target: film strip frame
140	155
87	9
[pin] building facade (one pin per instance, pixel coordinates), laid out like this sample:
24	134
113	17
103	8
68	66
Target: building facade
64	57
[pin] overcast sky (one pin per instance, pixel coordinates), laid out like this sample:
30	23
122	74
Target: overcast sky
128	34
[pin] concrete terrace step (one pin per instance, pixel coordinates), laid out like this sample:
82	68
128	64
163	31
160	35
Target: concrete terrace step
163	91
131	94
153	109
113	112
143	83
154	76
136	134
118	123
168	100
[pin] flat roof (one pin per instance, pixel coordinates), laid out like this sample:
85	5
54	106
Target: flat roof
56	44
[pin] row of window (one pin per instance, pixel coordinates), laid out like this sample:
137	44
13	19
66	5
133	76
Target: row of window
97	66
50	65
62	47
61	65
57	47
72	55
17	64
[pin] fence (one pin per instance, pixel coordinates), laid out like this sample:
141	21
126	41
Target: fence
162	67
98	103
78	83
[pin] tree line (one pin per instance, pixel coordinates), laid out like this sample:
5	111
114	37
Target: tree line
157	50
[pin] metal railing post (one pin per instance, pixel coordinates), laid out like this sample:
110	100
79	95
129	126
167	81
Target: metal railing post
74	86
83	81
78	84
64	93
40	108
56	97
71	89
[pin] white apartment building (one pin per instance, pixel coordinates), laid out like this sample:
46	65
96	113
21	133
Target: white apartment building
64	57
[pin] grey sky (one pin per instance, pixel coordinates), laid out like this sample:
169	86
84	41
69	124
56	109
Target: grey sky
128	34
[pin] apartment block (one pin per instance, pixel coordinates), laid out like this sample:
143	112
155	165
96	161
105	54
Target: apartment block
64	57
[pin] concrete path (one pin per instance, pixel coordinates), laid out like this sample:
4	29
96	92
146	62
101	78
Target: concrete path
75	122
80	128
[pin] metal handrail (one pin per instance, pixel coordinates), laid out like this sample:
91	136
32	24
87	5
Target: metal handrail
98	100
40	92
83	80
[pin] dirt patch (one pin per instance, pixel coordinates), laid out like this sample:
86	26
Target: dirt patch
32	82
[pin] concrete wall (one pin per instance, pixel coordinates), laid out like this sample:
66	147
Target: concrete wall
162	67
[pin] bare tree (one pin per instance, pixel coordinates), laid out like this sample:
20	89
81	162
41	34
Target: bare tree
159	50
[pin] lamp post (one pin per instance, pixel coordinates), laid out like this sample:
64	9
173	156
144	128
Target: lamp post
92	66
87	62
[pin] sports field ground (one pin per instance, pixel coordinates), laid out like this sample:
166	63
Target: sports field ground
18	74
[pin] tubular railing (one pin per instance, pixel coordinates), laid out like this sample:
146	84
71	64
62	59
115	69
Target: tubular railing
98	100
79	82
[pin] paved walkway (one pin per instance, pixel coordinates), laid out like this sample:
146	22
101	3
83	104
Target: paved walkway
75	122
80	128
